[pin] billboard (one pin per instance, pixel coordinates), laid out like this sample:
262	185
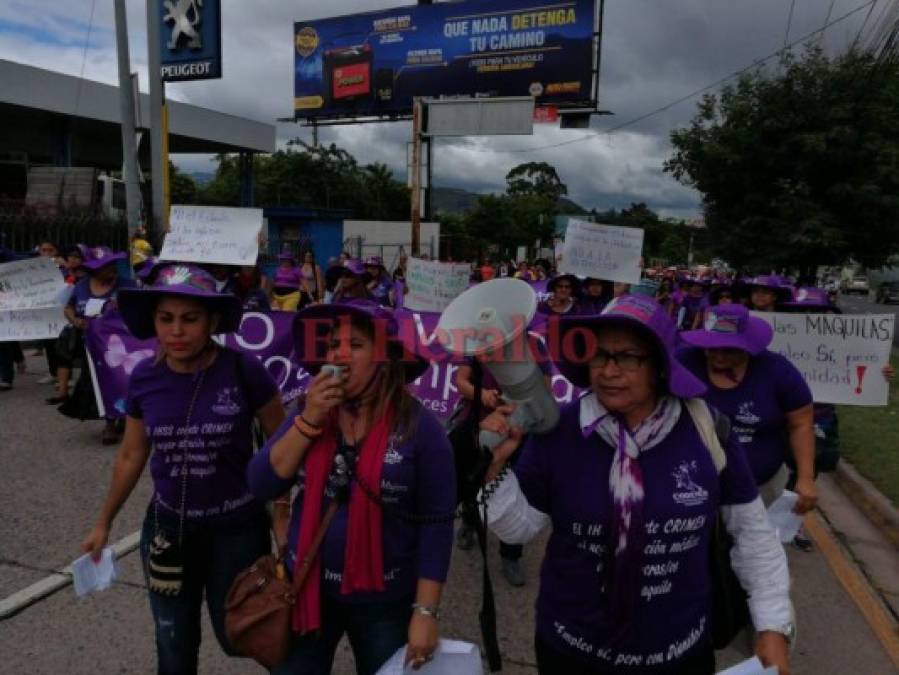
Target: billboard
190	39
375	63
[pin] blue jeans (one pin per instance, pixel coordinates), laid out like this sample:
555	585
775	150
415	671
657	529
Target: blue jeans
212	556
375	630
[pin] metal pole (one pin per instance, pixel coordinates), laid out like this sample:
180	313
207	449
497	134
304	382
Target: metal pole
416	176
157	95
126	108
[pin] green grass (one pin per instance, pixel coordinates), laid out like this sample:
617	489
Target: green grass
869	440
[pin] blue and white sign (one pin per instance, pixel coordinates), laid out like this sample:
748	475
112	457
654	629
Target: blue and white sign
190	40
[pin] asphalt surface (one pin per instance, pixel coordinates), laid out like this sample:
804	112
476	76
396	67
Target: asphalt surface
53	479
862	304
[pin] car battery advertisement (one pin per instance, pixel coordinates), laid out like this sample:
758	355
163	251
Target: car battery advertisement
375	63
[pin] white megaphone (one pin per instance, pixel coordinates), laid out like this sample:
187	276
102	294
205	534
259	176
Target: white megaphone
491	320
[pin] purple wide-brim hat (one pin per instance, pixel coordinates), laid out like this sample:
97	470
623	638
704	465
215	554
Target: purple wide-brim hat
137	305
810	298
313	323
773	283
731	327
101	256
647	317
374	261
355	267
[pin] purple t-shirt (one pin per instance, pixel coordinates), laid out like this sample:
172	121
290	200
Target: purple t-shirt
287	280
758	406
566	476
417	477
219	439
81	293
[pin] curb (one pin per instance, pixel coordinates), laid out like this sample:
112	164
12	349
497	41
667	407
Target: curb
876	507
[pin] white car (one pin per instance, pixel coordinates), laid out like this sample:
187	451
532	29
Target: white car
858	284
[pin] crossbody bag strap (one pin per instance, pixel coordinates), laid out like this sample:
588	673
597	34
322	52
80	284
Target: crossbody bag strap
299	578
709	430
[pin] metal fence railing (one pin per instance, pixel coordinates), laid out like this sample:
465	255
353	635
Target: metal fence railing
22	229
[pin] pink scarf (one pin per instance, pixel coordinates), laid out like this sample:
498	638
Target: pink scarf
363	558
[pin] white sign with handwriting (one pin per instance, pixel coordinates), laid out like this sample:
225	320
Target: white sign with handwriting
31	324
431	286
841	356
32	283
602	251
213	234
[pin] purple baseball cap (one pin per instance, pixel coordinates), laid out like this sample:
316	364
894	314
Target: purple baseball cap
100	256
649	318
181	280
313	323
731	327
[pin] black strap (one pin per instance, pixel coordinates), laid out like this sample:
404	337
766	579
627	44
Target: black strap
487	615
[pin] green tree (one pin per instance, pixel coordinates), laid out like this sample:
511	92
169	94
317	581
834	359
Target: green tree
535	178
799	167
182	188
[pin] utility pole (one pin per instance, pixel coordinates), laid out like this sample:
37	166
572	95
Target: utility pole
416	175
157	100
126	109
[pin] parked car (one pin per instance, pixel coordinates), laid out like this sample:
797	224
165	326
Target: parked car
857	284
888	292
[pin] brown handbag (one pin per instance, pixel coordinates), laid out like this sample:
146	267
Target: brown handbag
259	605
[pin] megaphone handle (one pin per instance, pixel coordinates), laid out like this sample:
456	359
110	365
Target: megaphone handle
521	417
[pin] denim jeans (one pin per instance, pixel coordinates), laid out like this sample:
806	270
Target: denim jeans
213	555
7	362
375	630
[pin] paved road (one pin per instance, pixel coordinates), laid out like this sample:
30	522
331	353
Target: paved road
861	304
54	477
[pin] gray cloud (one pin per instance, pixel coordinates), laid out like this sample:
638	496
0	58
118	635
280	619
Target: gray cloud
655	51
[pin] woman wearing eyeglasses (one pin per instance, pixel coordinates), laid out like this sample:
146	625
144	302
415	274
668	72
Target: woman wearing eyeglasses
564	291
631	482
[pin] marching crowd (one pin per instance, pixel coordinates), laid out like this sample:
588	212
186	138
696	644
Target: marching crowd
654	483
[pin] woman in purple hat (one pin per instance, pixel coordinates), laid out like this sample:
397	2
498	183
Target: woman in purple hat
764	395
91	297
190	412
376	475
564	292
768	291
353	283
631	481
288	293
380	285
693	304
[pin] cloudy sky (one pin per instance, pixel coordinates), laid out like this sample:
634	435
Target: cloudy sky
654	53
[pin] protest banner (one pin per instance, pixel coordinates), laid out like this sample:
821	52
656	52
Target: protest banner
31	324
431	285
32	294
602	251
114	353
31	284
839	355
213	234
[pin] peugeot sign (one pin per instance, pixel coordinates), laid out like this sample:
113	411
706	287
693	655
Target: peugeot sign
190	39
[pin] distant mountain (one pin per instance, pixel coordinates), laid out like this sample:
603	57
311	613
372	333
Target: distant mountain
202	177
456	200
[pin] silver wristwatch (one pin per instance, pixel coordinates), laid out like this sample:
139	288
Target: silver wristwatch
427	610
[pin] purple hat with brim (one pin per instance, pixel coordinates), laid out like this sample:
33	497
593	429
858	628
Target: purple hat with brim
648	318
355	266
374	261
810	298
137	305
773	283
314	323
731	327
101	256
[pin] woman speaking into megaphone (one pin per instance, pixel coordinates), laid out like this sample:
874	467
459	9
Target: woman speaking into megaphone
632	480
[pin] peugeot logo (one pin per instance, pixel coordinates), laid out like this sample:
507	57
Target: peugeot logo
184	15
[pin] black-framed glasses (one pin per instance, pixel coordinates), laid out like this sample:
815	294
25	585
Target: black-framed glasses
626	360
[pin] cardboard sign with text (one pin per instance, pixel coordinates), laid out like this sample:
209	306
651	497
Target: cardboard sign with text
841	356
32	295
602	251
213	234
431	286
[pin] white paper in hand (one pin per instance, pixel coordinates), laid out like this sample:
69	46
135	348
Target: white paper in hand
90	576
94	307
750	667
452	657
785	522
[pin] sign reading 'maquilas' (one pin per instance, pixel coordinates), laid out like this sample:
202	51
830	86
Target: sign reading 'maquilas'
190	40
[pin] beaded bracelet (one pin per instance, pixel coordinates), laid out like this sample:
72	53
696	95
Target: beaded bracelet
305	429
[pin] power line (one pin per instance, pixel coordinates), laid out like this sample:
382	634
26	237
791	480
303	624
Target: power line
789	23
87	41
717	83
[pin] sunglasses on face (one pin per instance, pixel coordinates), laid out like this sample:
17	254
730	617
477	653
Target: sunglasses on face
626	360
